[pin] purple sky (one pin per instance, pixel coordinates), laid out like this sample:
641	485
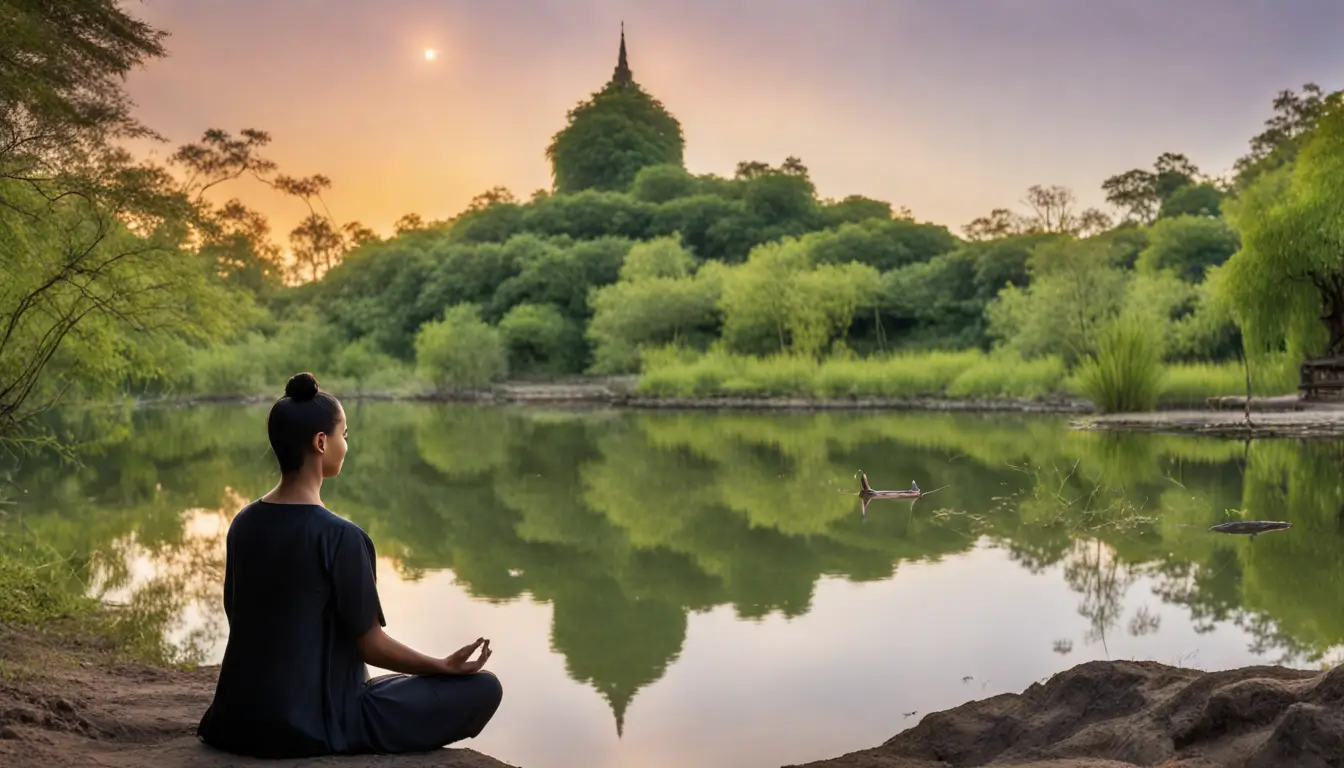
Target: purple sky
951	107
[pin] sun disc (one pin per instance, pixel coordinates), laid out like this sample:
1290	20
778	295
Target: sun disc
431	54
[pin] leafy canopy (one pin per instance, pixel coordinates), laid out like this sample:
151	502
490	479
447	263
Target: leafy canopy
1287	282
612	136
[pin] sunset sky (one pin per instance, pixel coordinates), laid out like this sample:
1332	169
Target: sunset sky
950	107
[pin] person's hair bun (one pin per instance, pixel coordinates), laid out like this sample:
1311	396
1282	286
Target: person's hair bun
301	387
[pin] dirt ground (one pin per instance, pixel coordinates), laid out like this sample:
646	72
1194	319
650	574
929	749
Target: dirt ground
65	701
1123	714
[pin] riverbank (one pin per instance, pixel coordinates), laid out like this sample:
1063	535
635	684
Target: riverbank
1302	421
67	699
1121	714
621	393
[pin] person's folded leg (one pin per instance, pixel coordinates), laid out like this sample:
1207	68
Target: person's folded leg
415	713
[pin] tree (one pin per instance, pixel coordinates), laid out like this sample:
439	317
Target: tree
1076	288
98	289
1141	194
780	301
1173	171
1053	210
856	208
883	244
540	337
610	137
657	301
496	195
408	223
460	351
317	243
1188	246
61	95
1000	222
1193	200
238	240
1286	284
1294	116
661	183
1135	193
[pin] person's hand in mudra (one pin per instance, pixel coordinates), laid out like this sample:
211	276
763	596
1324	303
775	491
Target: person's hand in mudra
460	662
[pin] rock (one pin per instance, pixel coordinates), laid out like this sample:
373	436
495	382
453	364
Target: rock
1125	713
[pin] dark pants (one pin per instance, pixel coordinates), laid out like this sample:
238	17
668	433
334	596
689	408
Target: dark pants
417	713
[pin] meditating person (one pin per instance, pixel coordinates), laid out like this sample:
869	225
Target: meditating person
305	620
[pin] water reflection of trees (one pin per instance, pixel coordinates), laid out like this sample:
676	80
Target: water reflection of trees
627	522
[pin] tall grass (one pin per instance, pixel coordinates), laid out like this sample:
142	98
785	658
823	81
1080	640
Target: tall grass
675	373
1192	383
37	587
1126	371
956	374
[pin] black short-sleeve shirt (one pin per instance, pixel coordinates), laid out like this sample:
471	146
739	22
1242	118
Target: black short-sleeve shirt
299	589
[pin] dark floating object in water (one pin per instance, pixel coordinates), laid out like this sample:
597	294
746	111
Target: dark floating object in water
1251	527
867	493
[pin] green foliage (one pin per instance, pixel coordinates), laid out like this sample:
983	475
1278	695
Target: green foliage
655	302
1188	246
88	305
364	366
1142	194
1193	200
1295	116
1286	284
663	257
1191	384
855	209
61	79
673	373
661	183
883	244
1125	373
609	138
460	351
630	252
781	301
541	339
1075	289
39	587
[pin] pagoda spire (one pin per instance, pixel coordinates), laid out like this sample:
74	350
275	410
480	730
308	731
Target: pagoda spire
622	76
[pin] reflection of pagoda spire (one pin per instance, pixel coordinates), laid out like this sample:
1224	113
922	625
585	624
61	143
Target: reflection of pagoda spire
622	77
613	642
618	706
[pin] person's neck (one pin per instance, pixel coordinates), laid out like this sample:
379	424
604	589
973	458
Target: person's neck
302	487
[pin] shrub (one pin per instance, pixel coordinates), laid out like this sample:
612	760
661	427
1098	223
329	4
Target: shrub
1126	372
460	351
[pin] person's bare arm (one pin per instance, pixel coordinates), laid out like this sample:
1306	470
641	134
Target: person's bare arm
380	649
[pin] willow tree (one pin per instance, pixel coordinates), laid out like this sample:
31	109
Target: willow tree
614	134
1286	284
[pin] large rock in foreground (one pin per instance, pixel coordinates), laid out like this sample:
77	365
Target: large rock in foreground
1126	713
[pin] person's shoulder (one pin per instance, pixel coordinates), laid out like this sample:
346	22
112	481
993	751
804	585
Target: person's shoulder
336	524
249	511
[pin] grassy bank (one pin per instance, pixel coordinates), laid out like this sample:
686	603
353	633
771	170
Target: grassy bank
43	591
951	375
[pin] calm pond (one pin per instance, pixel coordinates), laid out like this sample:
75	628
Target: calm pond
702	589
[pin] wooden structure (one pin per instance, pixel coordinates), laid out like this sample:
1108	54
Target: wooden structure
1322	380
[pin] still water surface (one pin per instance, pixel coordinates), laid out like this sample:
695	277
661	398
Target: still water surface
702	589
